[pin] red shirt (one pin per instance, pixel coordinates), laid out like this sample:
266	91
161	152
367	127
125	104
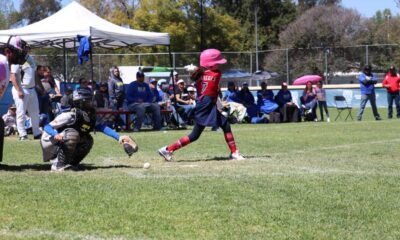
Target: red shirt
208	84
393	81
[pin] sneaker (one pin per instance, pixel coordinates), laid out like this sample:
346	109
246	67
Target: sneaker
236	156
58	166
328	120
24	138
37	137
167	155
378	118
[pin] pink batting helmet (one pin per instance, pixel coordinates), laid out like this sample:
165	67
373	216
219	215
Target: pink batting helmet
211	57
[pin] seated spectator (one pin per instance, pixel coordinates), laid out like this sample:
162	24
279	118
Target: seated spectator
309	103
66	100
265	100
192	92
232	99
248	101
10	121
50	90
101	96
183	101
153	88
288	109
139	99
165	102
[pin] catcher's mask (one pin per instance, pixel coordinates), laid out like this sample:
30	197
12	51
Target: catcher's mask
82	99
19	48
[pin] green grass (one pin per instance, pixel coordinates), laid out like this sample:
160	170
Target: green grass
300	181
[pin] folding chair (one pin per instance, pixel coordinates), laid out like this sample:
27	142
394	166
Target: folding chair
341	105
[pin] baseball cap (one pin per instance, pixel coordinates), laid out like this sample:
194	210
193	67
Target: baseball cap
139	74
153	80
175	73
245	84
284	84
180	81
16	42
103	84
191	89
231	83
12	106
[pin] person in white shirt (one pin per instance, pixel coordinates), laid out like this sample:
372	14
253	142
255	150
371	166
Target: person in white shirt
25	97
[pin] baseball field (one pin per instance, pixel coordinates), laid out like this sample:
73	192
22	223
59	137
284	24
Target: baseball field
316	180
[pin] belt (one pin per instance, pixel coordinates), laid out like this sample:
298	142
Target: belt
28	88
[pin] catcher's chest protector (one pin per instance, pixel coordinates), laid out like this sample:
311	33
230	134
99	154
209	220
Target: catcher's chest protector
84	123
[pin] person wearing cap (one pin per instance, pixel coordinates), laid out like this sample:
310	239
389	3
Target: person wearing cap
288	109
139	99
247	99
101	96
10	122
153	87
25	97
13	53
232	99
367	82
183	101
66	101
165	103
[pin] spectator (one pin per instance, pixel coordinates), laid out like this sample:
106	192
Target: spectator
232	98
165	102
391	83
288	109
25	97
50	89
309	102
367	87
321	99
116	89
247	99
66	100
183	101
153	87
192	94
265	100
10	122
139	99
101	96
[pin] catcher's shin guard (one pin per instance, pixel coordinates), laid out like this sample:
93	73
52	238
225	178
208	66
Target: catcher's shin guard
82	149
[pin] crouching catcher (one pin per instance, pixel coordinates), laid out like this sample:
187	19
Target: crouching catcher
66	140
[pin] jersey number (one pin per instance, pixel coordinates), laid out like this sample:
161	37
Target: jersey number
203	89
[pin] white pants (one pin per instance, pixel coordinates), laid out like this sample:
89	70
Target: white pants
28	104
237	108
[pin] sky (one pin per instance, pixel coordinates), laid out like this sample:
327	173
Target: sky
366	8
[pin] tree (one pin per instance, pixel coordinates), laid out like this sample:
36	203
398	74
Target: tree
34	11
7	12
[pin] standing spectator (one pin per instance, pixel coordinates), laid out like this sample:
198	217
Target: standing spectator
391	83
288	109
10	121
367	87
116	89
50	89
25	97
265	99
232	97
139	98
248	101
321	98
309	102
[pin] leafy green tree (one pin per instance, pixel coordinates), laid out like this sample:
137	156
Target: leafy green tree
34	11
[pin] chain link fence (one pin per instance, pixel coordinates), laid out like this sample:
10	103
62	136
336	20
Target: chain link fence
338	65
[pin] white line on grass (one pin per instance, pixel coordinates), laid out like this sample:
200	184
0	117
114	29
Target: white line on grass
40	233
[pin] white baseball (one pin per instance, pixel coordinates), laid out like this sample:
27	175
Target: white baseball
146	165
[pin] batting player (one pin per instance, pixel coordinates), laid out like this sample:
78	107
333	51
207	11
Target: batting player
14	53
67	140
206	113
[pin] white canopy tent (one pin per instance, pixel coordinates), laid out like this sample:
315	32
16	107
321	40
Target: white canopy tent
61	29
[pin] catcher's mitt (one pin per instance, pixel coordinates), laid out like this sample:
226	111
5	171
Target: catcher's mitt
129	145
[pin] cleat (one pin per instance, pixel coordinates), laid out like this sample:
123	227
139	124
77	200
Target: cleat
236	156
24	138
167	155
58	166
37	137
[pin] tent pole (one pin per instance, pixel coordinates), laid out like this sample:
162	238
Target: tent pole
91	59
65	61
173	84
